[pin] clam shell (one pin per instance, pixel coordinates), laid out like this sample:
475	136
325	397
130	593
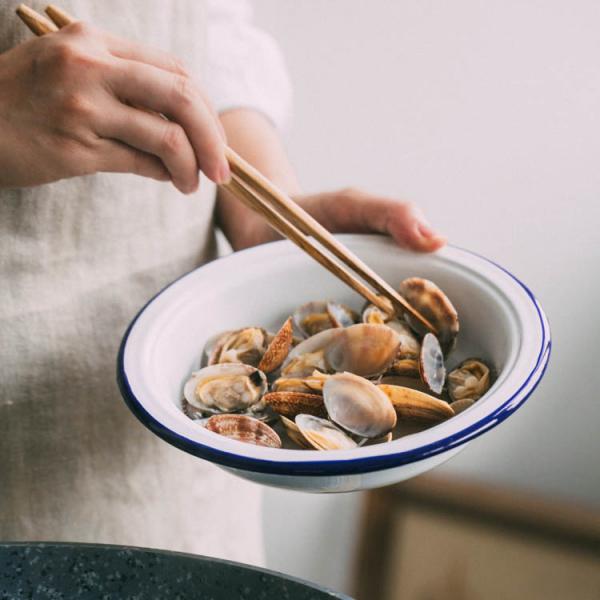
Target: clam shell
323	434
459	405
229	387
431	364
414	405
246	345
426	297
312	318
358	405
405	367
278	349
341	315
366	350
470	380
291	404
384	439
244	429
294	433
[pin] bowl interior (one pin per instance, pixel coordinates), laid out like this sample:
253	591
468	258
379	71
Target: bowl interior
262	286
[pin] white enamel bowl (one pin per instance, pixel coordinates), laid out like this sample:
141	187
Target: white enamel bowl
500	320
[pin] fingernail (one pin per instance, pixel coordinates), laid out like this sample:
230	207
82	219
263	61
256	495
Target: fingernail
426	231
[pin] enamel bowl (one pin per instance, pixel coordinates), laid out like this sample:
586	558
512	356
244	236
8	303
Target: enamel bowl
501	322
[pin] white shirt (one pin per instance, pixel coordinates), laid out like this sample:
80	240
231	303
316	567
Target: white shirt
245	67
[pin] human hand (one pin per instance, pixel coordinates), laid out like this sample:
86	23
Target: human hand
354	211
67	109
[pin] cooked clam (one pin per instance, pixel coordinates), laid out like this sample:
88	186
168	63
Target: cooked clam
244	429
426	297
245	345
291	404
313	317
358	405
431	364
459	405
375	316
230	387
363	349
414	405
470	380
278	348
252	346
293	432
323	434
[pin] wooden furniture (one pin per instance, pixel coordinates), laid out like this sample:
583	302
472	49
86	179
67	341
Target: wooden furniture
435	538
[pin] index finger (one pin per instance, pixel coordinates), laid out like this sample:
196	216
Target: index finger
178	98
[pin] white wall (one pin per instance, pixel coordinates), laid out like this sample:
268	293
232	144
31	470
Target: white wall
487	114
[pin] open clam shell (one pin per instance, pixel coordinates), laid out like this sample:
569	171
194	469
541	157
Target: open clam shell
426	297
246	345
230	387
358	405
313	317
244	429
414	405
291	404
293	432
431	364
470	380
323	434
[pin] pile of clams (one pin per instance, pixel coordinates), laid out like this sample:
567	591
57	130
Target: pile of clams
333	379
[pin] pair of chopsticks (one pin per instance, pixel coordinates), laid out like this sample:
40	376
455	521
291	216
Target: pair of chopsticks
280	211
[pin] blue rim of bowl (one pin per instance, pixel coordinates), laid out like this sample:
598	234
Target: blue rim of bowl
351	466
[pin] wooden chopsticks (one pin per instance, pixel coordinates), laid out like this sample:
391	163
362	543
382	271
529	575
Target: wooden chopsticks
281	212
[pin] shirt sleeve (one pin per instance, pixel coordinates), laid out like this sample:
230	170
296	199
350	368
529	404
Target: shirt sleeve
244	65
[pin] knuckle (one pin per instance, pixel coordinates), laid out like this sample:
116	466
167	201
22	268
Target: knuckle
184	91
67	56
79	28
178	66
76	106
173	139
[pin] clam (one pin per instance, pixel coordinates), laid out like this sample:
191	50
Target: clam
313	317
363	349
374	315
245	345
294	433
431	364
323	434
414	405
409	381
291	404
278	348
358	405
470	380
233	387
384	439
252	346
426	297
244	429
459	405
311	383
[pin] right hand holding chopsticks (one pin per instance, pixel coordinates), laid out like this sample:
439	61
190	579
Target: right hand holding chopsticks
70	105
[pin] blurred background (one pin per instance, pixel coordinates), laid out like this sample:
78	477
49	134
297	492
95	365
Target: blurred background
488	116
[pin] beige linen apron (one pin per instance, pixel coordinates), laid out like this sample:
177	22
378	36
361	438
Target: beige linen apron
78	258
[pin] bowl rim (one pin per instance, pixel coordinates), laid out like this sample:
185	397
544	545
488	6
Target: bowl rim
342	466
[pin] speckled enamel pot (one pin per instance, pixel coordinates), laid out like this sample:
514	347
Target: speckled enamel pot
501	321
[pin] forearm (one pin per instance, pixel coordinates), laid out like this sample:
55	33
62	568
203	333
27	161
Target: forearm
254	138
